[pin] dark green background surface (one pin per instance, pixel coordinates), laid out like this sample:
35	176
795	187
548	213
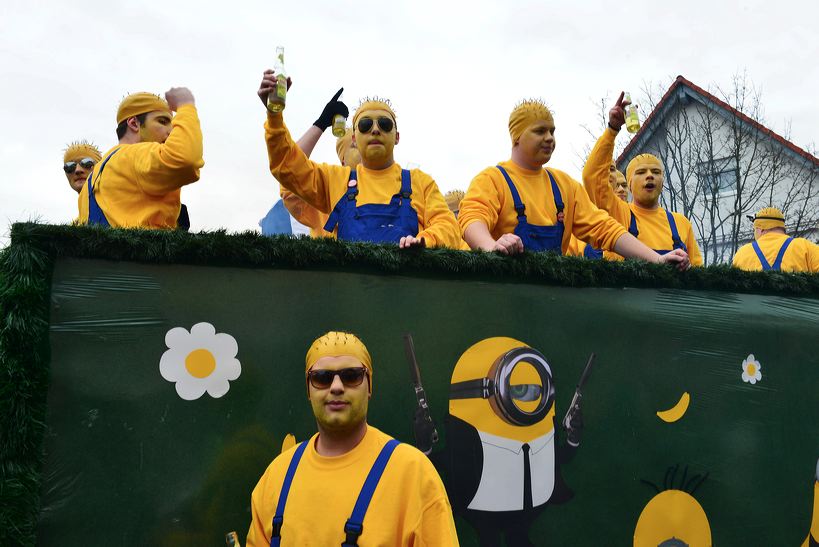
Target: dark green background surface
130	461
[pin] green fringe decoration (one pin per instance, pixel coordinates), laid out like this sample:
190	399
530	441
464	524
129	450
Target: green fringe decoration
25	278
252	250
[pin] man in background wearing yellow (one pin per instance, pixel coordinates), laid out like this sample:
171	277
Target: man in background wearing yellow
773	249
138	182
79	159
519	205
661	230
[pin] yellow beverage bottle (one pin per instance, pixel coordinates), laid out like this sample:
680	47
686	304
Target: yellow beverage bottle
632	118
278	97
339	123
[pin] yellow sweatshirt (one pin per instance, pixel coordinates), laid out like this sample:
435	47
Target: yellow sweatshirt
322	185
306	214
801	256
652	224
489	200
140	186
409	506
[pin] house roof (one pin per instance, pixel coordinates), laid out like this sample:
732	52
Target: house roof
681	85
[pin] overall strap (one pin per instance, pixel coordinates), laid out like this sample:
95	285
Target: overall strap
761	256
675	235
95	212
354	526
406	184
278	518
632	225
352	192
519	206
777	265
557	195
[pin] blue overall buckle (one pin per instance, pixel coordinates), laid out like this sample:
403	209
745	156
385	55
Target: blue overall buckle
353	531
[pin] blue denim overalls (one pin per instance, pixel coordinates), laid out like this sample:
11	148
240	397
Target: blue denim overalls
374	222
537	238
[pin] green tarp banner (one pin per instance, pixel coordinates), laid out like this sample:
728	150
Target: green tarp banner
700	413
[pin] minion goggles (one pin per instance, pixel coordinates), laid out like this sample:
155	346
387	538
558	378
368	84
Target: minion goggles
497	387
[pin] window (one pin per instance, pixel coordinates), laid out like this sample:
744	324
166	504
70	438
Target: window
719	175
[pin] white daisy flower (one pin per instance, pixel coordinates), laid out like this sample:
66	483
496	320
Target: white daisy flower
751	370
200	360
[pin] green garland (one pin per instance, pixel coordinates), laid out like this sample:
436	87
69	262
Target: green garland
25	278
24	356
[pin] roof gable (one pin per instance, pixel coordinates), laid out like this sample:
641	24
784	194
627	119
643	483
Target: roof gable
682	90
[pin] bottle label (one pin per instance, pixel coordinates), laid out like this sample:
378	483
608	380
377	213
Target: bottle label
281	88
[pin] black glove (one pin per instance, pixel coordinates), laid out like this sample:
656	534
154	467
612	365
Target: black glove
424	430
330	110
574	429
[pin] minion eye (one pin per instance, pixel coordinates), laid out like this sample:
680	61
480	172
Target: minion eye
526	392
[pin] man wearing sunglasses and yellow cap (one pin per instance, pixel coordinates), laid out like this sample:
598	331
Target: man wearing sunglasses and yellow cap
79	159
349	480
773	249
519	205
658	228
138	182
378	201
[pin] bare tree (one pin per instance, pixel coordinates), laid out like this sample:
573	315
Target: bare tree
721	166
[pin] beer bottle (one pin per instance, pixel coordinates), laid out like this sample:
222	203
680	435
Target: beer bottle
277	98
632	118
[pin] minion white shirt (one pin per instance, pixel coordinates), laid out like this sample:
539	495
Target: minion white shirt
501	486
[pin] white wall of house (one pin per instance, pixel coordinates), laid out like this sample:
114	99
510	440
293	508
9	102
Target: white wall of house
696	144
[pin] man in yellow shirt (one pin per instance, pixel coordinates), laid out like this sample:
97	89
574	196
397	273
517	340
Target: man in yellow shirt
349	479
773	249
378	201
304	212
138	182
661	230
347	154
79	159
518	205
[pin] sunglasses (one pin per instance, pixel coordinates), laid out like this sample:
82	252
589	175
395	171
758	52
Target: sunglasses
71	166
350	377
385	124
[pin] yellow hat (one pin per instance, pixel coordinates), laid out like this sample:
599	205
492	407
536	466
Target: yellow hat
343	143
767	218
640	159
140	103
618	175
453	199
525	114
374	103
336	343
78	150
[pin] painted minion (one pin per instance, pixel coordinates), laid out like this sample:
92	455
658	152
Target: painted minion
674	518
502	463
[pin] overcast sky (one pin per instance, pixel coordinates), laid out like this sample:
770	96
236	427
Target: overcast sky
453	71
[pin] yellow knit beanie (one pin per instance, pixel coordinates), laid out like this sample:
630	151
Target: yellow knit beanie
453	199
140	103
374	103
640	159
336	343
78	150
767	218
525	114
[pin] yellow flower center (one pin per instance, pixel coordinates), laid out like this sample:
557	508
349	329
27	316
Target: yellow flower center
751	369
200	363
